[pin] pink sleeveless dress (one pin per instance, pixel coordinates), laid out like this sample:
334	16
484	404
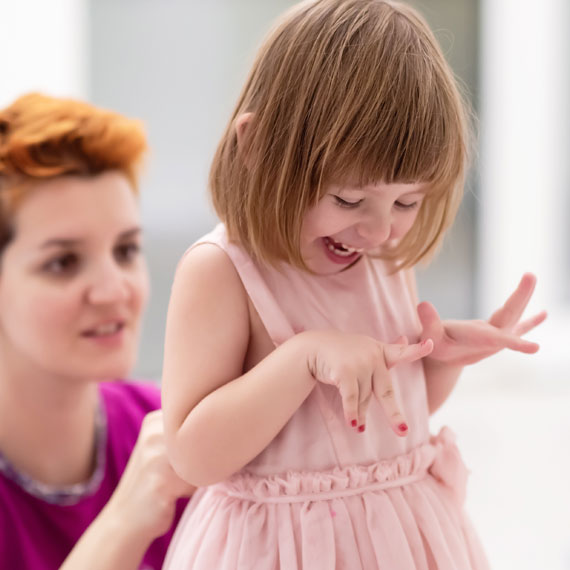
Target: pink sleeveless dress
323	496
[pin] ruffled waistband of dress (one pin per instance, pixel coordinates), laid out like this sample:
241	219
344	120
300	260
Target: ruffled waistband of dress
438	457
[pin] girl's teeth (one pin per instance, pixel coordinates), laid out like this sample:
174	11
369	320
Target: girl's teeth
344	250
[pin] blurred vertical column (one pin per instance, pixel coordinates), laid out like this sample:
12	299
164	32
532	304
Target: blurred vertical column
524	128
43	46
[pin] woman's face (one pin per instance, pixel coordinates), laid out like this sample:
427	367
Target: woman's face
73	282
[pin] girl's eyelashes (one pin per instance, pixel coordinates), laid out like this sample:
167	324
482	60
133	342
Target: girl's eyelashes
345	203
400	205
127	252
403	206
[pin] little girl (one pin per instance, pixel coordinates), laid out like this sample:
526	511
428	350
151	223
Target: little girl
299	374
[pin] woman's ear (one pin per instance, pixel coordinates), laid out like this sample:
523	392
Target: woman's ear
243	130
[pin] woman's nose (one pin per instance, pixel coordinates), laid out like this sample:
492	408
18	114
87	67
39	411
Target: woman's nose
108	284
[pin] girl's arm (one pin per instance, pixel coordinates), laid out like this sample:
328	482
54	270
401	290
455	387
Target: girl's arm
217	418
441	377
440	381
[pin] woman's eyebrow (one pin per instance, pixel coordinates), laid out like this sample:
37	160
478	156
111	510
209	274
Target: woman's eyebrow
130	233
60	242
71	242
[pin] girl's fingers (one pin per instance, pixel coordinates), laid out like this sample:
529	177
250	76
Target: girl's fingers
401	340
432	325
350	394
510	313
383	389
527	325
363	408
395	353
501	339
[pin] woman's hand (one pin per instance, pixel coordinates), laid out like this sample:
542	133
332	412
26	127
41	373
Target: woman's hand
147	492
359	366
465	342
141	509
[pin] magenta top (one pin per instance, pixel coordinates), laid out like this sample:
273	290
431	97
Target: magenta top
39	525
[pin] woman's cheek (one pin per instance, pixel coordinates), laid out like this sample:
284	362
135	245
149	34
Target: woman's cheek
51	314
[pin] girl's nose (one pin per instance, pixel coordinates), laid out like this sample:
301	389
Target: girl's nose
108	284
375	230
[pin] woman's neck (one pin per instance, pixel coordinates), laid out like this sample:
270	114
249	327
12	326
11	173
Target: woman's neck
47	426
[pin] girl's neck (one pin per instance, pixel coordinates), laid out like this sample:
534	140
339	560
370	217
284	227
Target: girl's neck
47	425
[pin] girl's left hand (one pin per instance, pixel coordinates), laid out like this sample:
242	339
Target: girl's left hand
464	342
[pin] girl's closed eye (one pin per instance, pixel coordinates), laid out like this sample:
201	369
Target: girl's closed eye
404	206
126	253
62	265
346	203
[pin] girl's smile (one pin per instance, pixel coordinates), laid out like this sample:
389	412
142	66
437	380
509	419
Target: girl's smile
341	253
350	221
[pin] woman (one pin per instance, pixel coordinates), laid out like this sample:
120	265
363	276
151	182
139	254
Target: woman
73	285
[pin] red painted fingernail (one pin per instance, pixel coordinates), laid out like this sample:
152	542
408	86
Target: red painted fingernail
353	423
361	428
403	427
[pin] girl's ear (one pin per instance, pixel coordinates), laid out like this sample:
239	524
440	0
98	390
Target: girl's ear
243	125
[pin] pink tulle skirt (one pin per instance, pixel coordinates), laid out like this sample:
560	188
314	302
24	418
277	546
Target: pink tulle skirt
402	514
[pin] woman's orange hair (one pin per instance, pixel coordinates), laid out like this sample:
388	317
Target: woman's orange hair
43	137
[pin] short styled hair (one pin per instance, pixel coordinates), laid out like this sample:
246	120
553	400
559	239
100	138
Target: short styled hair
342	90
44	137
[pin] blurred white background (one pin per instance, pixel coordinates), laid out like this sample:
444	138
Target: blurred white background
178	65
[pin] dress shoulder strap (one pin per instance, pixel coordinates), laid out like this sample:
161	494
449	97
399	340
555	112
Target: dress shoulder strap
274	320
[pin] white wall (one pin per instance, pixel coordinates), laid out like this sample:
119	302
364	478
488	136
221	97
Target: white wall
43	46
525	126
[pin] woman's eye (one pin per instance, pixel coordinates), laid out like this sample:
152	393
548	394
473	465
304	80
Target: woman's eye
63	264
345	203
127	252
403	206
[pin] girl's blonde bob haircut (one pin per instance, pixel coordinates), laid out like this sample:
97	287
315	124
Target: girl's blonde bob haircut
354	91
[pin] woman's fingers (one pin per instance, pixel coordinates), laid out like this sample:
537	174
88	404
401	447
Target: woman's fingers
383	389
510	313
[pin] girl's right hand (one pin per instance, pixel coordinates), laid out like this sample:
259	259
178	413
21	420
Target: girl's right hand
359	366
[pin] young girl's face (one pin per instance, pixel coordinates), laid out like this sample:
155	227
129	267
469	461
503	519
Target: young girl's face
72	280
349	221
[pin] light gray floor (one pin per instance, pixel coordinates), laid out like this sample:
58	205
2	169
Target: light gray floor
515	440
